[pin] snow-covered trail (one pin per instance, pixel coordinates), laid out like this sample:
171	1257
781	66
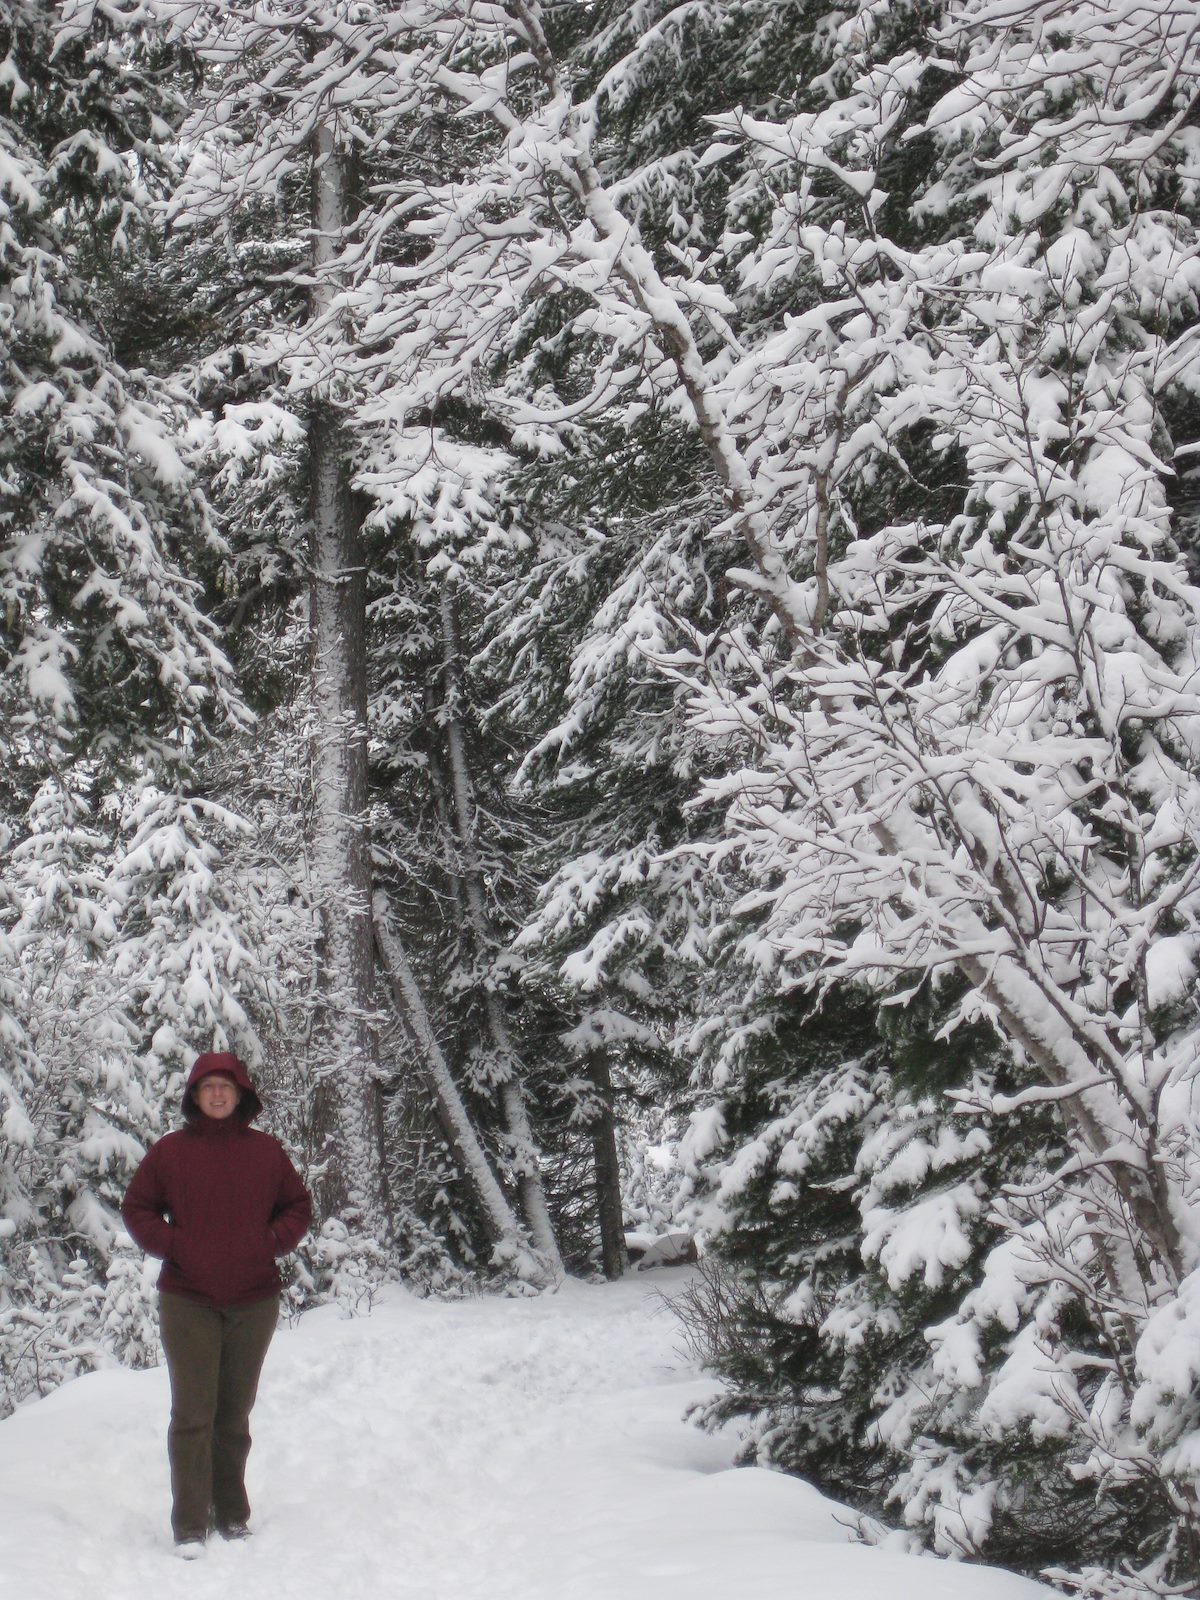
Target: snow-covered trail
473	1450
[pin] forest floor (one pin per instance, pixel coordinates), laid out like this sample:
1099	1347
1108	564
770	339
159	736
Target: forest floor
484	1449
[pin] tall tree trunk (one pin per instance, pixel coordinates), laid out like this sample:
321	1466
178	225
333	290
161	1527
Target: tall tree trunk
523	1151
346	1119
614	1257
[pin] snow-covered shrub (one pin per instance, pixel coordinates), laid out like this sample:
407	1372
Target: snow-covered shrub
128	1322
344	1268
49	1324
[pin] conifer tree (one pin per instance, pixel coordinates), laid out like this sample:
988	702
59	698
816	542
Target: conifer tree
110	674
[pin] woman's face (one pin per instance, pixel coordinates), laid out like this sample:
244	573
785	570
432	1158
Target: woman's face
217	1095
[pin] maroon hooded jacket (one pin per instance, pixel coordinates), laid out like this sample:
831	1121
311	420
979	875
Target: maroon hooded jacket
218	1201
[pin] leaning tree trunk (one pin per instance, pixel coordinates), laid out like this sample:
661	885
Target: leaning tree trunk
500	1222
346	1110
522	1147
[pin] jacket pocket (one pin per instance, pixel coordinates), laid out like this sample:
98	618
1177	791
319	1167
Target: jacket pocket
184	1261
252	1263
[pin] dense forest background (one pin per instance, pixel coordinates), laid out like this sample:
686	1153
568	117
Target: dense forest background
605	591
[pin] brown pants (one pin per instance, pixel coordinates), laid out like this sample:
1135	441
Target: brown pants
214	1356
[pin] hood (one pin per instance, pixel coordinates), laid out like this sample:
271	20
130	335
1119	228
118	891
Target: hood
222	1061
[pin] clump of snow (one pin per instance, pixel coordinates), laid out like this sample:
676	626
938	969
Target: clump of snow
1166	1406
928	1237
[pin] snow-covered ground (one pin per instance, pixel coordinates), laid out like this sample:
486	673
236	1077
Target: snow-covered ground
474	1450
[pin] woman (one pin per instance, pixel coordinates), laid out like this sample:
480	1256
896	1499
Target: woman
219	1202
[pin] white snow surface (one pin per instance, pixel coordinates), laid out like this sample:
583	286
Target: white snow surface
508	1449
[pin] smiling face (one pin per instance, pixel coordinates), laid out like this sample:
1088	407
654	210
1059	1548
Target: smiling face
217	1095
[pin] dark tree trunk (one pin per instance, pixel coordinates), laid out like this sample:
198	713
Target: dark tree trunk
613	1254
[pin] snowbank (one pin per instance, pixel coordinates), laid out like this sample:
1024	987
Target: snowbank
480	1450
